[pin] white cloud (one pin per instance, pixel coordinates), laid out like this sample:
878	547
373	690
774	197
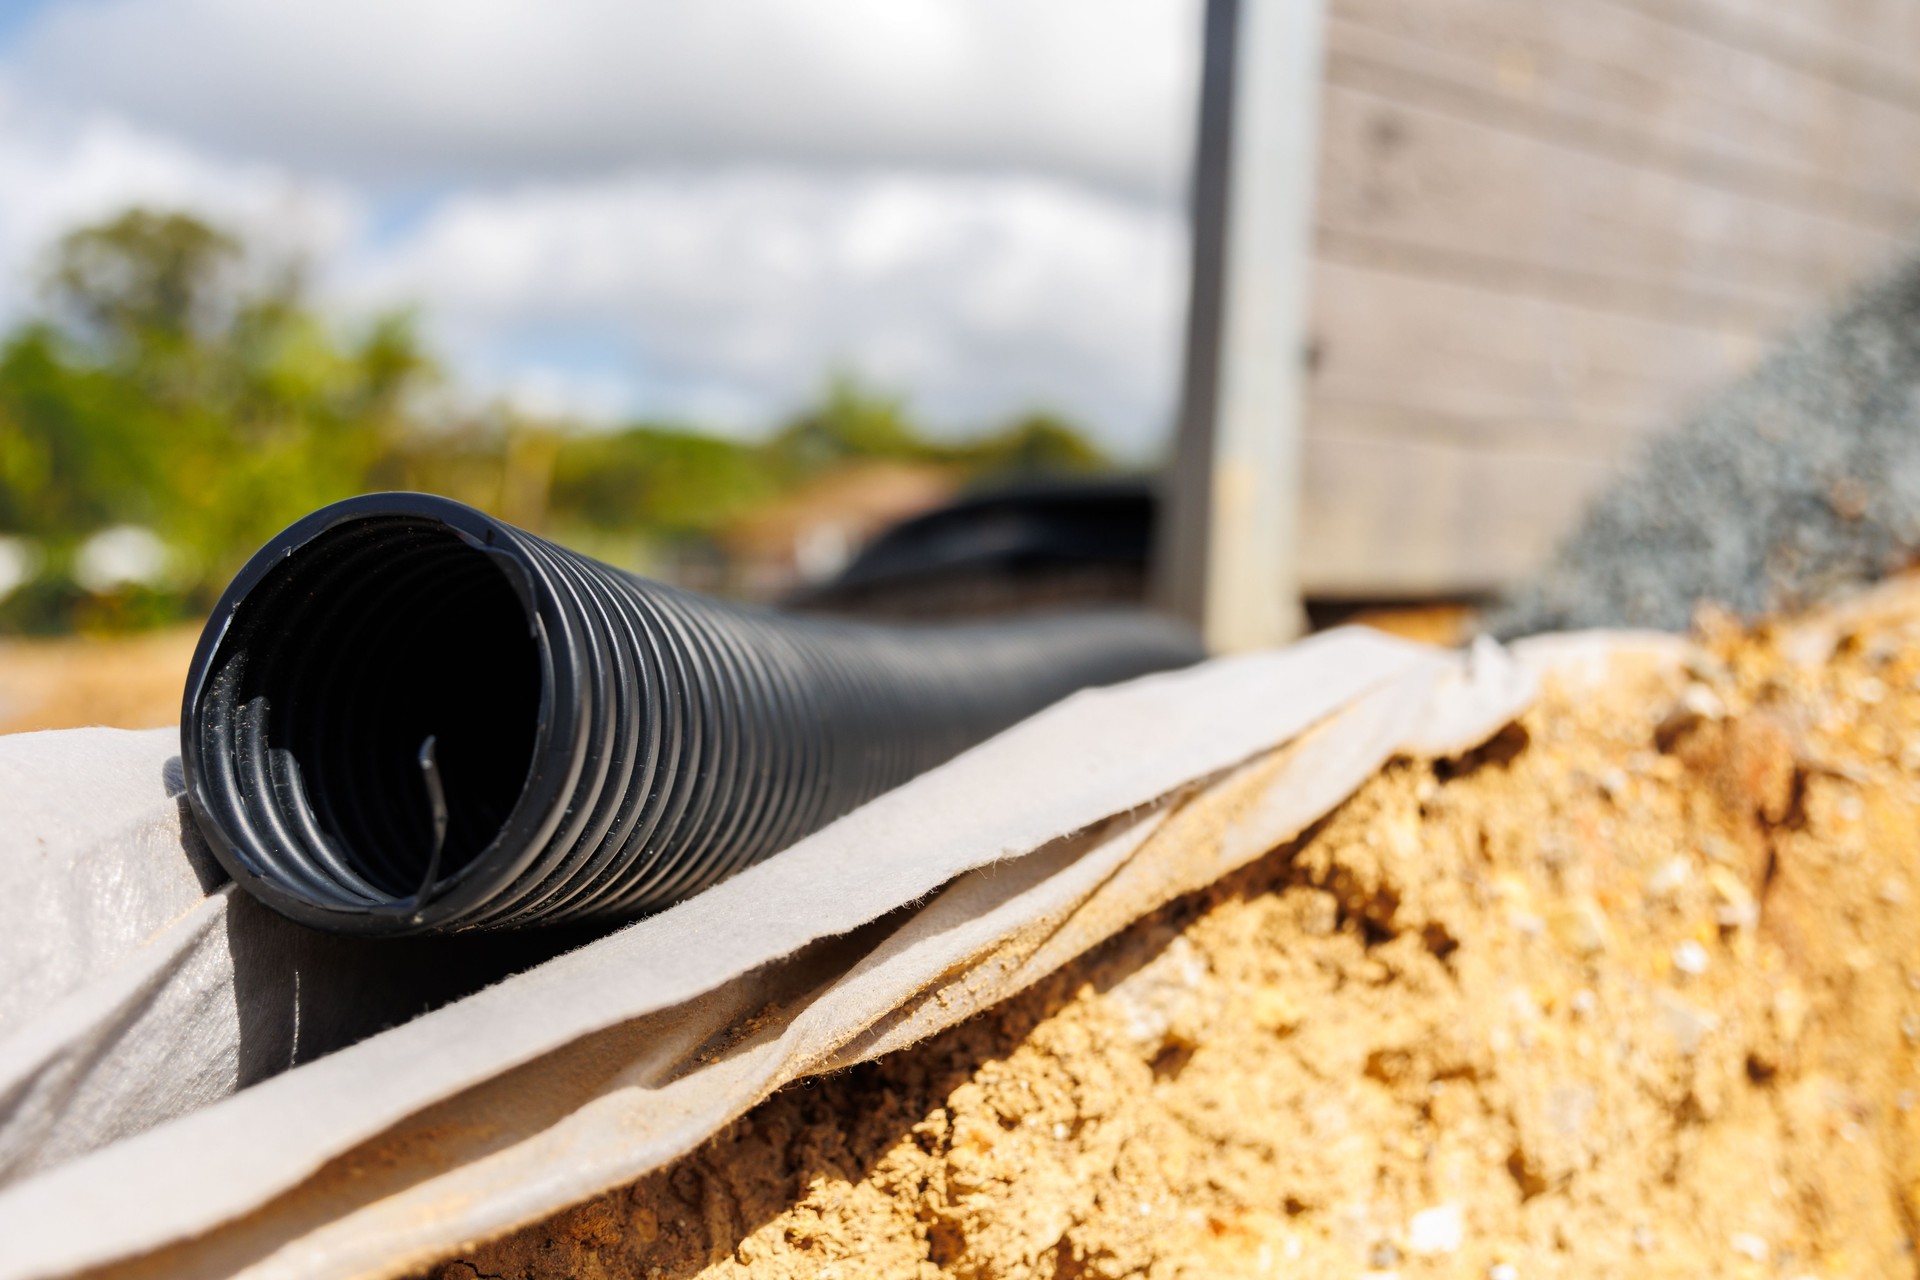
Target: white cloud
59	174
728	295
428	90
644	206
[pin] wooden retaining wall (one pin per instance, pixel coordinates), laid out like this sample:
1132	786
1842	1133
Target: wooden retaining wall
1548	227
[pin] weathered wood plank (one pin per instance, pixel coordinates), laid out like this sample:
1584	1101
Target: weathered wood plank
1549	229
1398	172
1387	421
1408	519
1627	67
1403	69
1869	62
1879	28
1456	353
1574	285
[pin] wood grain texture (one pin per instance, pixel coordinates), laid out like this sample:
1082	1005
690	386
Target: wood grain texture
1398	172
1622	71
1463	358
1861	47
1405	519
1546	230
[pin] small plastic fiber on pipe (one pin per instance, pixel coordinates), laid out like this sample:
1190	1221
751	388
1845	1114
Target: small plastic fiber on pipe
405	716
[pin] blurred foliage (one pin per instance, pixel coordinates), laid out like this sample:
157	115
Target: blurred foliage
173	386
670	482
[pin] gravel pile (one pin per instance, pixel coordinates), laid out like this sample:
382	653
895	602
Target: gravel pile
1802	479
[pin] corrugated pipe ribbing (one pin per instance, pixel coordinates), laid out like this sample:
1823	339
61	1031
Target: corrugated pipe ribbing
405	716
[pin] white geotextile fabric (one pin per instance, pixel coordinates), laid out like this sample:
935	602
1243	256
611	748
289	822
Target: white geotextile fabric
149	1124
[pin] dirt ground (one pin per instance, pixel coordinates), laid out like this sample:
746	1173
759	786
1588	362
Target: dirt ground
1633	991
132	682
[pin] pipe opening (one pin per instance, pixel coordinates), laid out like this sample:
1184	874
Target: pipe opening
366	641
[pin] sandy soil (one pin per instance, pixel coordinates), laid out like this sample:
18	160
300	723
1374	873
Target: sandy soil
132	682
1634	991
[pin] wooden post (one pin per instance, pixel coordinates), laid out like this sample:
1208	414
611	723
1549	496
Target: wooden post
1229	530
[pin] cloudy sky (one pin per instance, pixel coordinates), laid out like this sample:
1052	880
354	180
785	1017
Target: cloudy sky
627	207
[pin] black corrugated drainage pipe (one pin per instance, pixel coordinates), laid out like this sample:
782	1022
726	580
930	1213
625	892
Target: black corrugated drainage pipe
405	716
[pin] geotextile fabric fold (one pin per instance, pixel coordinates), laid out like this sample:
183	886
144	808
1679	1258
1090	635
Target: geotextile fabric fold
151	1126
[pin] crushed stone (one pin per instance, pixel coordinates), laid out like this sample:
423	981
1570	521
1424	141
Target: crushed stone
1800	480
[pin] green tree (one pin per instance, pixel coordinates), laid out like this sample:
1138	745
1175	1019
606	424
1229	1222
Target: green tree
664	480
174	384
169	389
1039	444
851	421
145	280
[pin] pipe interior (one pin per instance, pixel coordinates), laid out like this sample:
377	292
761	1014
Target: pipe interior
337	667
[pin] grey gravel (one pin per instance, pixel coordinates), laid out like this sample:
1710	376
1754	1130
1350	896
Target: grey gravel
1798	482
